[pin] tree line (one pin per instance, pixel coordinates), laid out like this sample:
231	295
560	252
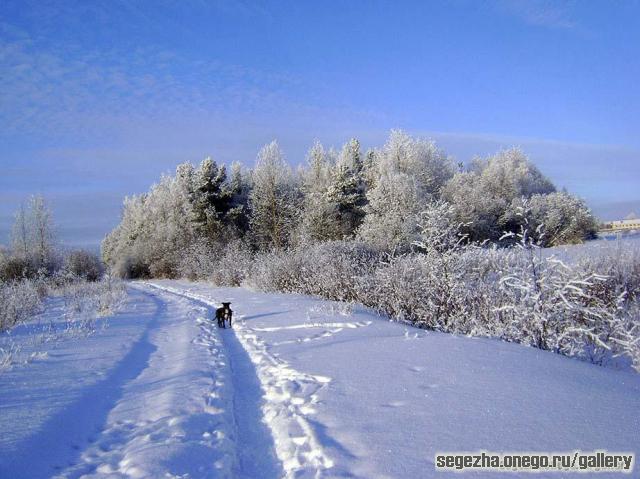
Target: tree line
376	197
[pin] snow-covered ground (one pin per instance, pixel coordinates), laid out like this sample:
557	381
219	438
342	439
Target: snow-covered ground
300	387
605	245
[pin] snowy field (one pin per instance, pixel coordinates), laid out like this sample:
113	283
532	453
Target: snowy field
300	387
605	245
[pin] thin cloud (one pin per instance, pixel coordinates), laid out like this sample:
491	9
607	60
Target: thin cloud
542	13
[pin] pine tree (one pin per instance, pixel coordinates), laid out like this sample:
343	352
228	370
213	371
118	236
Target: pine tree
212	199
347	194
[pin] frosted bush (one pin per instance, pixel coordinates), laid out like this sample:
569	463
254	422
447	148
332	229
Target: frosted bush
233	266
18	301
400	289
330	270
223	265
427	288
9	355
86	301
199	261
277	271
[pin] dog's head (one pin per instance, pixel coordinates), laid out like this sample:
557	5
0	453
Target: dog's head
226	305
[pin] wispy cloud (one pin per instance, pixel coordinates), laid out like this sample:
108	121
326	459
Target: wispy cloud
557	14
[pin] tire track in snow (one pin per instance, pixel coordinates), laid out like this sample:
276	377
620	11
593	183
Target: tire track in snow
289	397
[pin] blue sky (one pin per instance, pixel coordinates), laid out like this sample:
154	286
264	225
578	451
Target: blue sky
99	98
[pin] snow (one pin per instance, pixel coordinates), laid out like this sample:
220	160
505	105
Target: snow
300	387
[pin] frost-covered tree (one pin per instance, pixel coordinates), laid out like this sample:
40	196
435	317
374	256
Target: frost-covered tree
34	235
566	219
510	174
482	194
33	241
475	208
42	234
369	169
317	222
410	173
155	227
273	200
418	158
119	247
392	214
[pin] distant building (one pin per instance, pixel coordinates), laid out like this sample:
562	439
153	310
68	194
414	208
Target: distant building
621	225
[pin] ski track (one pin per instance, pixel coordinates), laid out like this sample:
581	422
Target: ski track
289	396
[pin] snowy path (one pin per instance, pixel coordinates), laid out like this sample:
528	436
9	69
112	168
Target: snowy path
288	399
300	388
152	396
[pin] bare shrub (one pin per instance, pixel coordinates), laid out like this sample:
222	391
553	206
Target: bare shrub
9	355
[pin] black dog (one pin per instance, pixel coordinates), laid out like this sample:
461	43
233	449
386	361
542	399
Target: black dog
224	314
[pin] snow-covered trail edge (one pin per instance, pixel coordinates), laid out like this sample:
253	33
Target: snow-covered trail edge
289	397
